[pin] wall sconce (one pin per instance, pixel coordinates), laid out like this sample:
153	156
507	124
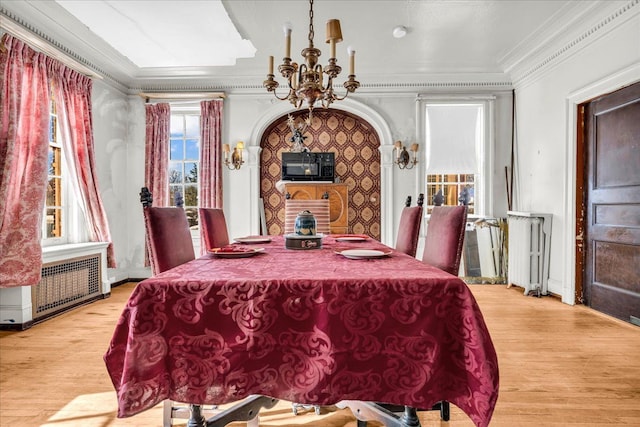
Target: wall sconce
236	157
403	159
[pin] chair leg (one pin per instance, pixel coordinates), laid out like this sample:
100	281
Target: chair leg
196	419
167	410
245	410
369	411
445	410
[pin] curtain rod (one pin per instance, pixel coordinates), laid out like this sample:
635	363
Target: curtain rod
194	96
45	47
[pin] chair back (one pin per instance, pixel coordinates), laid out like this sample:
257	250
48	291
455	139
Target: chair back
445	237
213	228
409	227
168	235
319	208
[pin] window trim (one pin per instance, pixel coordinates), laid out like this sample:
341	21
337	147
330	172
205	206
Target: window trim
188	108
484	186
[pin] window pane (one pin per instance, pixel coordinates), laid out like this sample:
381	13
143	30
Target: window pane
175	173
52	129
191	172
54	159
191	195
192	126
53	220
450	193
193	149
177	150
192	216
177	127
54	192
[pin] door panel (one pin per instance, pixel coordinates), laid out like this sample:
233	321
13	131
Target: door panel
612	267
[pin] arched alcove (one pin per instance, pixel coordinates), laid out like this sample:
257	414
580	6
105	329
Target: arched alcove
355	143
356	108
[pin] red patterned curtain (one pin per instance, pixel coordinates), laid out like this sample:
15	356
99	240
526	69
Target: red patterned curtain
73	103
158	126
210	154
24	115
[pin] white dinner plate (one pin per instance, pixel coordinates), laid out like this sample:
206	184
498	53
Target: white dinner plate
351	239
244	253
363	253
253	239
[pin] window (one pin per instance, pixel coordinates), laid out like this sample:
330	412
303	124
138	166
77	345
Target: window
453	187
457	135
54	211
184	163
63	221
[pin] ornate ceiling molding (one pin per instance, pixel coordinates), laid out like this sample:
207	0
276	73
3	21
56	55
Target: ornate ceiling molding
542	59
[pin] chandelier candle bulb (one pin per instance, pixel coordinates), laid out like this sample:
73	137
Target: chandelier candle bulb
352	60
270	64
287	39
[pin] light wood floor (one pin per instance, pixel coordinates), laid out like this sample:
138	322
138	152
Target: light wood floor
559	366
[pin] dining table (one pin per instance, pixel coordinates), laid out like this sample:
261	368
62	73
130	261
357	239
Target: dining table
341	322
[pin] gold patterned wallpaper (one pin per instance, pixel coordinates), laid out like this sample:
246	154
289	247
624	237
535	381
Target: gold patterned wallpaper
355	144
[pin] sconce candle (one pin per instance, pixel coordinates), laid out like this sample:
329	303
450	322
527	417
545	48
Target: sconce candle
397	147
236	157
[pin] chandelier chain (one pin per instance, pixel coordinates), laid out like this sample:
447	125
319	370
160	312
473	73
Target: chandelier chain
311	34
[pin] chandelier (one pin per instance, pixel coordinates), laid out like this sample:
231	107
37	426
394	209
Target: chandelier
306	81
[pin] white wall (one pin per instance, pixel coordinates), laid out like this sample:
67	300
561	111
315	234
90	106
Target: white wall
119	127
546	104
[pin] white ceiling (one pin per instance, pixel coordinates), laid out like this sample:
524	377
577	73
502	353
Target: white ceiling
169	34
444	36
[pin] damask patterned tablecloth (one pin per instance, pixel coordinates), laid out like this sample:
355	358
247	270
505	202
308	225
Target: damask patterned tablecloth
307	326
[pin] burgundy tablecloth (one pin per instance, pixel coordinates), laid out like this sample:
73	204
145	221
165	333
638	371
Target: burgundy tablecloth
306	326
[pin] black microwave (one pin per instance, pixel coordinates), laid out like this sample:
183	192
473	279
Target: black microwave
308	166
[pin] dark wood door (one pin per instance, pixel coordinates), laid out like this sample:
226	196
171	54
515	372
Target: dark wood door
612	263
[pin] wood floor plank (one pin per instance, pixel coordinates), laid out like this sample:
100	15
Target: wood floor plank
559	366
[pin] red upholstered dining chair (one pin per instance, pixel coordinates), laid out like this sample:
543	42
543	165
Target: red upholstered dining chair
213	228
168	235
443	249
409	227
445	238
169	242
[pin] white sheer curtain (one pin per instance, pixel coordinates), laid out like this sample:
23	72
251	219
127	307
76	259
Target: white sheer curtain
73	103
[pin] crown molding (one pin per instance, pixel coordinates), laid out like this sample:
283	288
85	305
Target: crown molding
34	35
587	26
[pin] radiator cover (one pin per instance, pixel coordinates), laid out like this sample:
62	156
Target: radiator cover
65	284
